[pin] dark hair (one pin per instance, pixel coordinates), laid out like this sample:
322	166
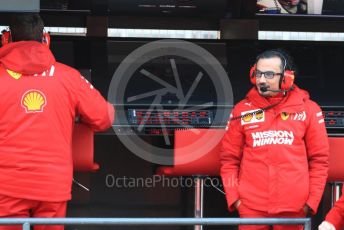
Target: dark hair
287	62
26	27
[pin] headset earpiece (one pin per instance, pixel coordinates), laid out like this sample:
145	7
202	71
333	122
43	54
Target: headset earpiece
5	37
46	39
253	74
287	80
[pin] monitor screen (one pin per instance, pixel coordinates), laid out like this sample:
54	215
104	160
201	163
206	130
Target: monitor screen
301	7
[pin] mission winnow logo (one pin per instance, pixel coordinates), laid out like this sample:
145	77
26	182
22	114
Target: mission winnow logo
273	137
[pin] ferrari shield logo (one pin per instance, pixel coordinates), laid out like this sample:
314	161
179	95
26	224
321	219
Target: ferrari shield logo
14	74
284	116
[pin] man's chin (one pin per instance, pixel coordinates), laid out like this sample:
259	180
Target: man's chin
267	93
264	94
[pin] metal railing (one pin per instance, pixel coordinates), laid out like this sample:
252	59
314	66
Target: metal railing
27	222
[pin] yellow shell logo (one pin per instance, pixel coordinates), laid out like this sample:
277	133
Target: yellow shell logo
247	117
284	116
33	101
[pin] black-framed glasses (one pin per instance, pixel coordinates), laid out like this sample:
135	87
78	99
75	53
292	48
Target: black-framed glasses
267	74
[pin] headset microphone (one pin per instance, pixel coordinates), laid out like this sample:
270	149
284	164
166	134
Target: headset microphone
265	89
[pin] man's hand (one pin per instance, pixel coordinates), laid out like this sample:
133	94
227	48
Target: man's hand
306	209
326	226
237	204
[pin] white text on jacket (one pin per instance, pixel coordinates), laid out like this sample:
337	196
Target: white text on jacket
273	137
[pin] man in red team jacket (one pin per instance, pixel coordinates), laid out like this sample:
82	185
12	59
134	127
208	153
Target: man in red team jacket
39	99
275	153
335	218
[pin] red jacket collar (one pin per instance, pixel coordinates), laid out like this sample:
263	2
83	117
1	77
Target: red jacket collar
26	57
292	102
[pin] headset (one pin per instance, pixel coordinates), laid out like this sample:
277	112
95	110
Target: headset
7	38
287	77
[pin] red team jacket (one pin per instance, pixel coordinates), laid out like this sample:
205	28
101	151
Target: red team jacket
39	99
277	160
336	214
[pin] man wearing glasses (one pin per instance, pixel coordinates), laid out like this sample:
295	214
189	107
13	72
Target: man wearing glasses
275	148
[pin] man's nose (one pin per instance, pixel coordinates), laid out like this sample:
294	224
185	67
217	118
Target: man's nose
262	79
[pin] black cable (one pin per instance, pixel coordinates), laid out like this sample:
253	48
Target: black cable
259	110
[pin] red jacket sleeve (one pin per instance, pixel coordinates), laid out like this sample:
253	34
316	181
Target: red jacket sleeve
230	157
336	214
318	153
93	109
